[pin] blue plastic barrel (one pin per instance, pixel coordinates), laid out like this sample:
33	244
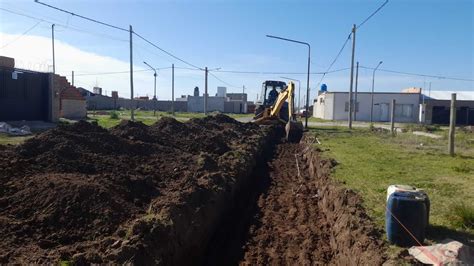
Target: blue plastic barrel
406	210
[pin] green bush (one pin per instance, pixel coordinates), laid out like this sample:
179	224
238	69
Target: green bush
114	115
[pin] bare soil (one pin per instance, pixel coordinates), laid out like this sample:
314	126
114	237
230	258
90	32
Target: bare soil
297	215
132	194
210	191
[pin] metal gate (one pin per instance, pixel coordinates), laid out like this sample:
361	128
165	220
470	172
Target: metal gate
23	95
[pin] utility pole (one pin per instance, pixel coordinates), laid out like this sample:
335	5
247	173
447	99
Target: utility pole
452	125
307	88
243	102
392	116
73	78
132	117
429	93
205	91
154	96
154	91
352	75
172	89
372	94
54	60
355	97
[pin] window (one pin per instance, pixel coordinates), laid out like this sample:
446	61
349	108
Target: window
404	110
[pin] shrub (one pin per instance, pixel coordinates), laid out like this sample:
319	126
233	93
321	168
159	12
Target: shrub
114	115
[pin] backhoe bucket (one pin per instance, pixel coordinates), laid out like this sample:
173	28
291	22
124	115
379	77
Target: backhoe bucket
294	131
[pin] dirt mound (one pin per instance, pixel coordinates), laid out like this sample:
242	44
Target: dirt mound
213	134
132	194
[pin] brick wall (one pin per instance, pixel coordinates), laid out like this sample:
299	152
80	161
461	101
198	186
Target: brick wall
73	109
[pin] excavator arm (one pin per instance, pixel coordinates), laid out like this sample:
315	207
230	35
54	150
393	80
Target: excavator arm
288	93
293	128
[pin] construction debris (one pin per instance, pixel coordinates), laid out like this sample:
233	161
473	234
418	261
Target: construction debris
13	131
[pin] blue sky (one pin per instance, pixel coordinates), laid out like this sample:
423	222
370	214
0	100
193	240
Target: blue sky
420	36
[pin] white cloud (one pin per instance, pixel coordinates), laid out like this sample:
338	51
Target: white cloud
35	53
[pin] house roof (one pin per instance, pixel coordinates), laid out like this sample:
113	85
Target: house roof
446	95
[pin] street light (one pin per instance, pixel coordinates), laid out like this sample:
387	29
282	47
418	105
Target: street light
299	91
307	80
372	94
154	93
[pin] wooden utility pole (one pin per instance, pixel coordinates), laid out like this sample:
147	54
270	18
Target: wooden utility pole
392	116
205	92
172	89
73	78
132	107
243	101
54	59
355	96
352	75
452	125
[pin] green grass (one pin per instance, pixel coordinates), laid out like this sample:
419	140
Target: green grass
463	215
108	119
315	119
12	140
370	162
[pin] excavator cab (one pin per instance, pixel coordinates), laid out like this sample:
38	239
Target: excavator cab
266	99
276	105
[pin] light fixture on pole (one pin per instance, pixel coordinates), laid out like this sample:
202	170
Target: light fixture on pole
299	91
154	93
307	80
372	94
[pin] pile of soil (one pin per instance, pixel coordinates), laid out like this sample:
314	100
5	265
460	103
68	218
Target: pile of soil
135	193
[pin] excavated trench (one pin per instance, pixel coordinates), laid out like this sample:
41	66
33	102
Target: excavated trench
292	213
211	191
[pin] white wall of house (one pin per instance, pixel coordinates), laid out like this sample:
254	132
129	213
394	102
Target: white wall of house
406	108
324	106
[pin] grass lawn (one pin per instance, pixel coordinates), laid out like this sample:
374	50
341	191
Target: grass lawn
371	161
6	139
316	119
104	119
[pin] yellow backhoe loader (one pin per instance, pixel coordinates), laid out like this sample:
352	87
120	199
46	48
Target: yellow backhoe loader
277	106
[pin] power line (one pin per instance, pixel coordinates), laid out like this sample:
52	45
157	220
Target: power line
119	28
419	75
371	15
23	34
226	83
77	73
62	25
347	40
277	73
335	59
86	18
166	52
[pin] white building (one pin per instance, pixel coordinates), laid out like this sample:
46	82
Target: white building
221	91
335	105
